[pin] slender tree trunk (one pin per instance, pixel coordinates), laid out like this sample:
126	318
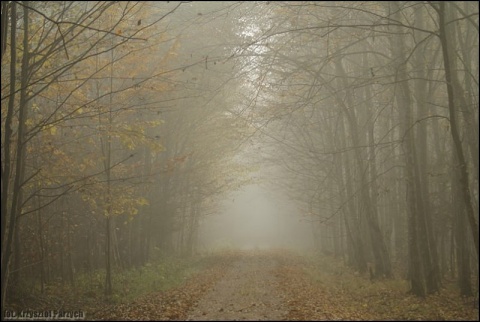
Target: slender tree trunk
429	245
108	218
41	247
17	253
70	266
4	27
461	242
357	255
108	257
467	96
416	266
107	146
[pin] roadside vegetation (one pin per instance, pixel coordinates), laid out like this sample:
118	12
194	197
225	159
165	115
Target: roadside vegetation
323	288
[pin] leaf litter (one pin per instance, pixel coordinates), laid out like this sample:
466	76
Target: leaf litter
277	285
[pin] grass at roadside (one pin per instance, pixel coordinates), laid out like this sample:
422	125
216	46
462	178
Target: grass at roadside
321	288
128	284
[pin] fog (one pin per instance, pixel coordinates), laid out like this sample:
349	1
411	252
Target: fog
254	218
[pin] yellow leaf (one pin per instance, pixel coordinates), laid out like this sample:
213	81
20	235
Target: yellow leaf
51	128
142	201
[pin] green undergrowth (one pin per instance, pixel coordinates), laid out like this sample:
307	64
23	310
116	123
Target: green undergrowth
159	276
128	284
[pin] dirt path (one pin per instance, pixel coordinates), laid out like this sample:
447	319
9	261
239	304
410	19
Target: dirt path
249	291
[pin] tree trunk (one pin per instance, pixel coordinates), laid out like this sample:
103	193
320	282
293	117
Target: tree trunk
357	256
108	257
429	245
461	242
41	247
4	27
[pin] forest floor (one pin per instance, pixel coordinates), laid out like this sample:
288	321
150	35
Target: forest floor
278	285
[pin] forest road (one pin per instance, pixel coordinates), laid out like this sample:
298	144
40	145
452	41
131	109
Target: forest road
248	291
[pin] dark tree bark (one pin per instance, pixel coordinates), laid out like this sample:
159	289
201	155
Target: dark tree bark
4	26
462	249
